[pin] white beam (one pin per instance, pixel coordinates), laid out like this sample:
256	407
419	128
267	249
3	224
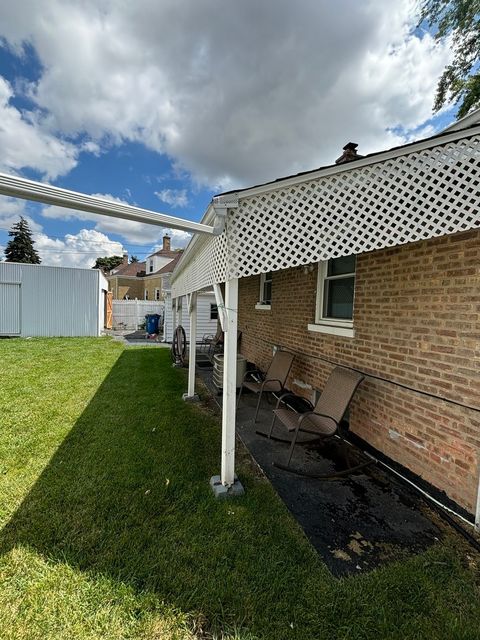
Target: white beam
17	187
229	384
174	315
192	311
220	307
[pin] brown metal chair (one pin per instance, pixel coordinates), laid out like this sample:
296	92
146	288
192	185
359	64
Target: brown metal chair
211	340
324	420
273	381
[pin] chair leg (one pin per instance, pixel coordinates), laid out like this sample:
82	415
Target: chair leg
239	394
272	425
258	406
292	446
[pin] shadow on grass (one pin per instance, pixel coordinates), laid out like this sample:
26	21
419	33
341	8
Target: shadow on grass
126	495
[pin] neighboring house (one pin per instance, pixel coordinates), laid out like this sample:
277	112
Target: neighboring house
373	264
36	300
126	280
142	280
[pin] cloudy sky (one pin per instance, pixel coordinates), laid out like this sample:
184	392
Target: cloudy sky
163	103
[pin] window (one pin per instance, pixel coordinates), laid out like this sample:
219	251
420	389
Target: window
151	266
213	312
157	294
145	297
265	299
335	296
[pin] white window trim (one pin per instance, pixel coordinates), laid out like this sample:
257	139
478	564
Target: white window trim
157	291
259	305
330	326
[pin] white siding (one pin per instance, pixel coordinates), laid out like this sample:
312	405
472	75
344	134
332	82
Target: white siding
204	324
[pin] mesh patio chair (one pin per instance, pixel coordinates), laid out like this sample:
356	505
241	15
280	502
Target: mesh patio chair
323	420
212	343
270	382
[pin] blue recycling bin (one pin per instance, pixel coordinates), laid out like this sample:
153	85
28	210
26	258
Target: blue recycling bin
151	322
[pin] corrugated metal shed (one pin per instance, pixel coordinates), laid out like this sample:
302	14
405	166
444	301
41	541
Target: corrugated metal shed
37	300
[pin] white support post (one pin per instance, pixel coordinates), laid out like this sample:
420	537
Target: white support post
191	396
220	306
226	484
174	315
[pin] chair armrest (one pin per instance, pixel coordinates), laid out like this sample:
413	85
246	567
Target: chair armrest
273	380
248	373
314	413
282	397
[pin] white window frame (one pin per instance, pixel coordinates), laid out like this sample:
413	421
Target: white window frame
157	294
260	304
332	326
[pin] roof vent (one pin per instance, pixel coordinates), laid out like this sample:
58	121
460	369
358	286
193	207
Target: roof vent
349	153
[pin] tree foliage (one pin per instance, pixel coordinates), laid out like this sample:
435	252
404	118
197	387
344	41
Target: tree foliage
20	248
107	263
460	21
133	259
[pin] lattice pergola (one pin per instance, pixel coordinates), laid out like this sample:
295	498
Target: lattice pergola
421	191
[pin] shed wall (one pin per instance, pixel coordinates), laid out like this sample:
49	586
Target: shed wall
417	327
56	301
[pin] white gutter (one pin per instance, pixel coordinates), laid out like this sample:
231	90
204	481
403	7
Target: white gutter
17	187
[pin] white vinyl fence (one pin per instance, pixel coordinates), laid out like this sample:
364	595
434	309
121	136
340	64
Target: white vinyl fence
130	314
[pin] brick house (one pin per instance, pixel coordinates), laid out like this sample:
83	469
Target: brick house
372	263
143	280
126	280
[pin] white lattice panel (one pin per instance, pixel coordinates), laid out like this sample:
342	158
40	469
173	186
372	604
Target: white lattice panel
416	196
205	267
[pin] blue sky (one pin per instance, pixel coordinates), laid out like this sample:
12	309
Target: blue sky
164	103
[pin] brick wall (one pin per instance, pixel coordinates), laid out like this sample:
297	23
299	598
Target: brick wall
417	324
151	283
120	287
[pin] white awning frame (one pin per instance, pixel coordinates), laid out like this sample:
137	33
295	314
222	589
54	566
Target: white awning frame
17	187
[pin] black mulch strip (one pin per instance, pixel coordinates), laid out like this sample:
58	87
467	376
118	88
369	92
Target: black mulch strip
355	523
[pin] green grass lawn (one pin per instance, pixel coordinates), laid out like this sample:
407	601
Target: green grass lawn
109	529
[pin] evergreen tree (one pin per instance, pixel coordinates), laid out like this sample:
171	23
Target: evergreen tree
133	259
20	247
458	20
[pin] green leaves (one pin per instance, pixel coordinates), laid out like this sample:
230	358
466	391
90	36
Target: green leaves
458	20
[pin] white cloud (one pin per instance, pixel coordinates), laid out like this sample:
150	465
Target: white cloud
133	232
25	143
10	211
79	250
235	93
179	239
173	197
